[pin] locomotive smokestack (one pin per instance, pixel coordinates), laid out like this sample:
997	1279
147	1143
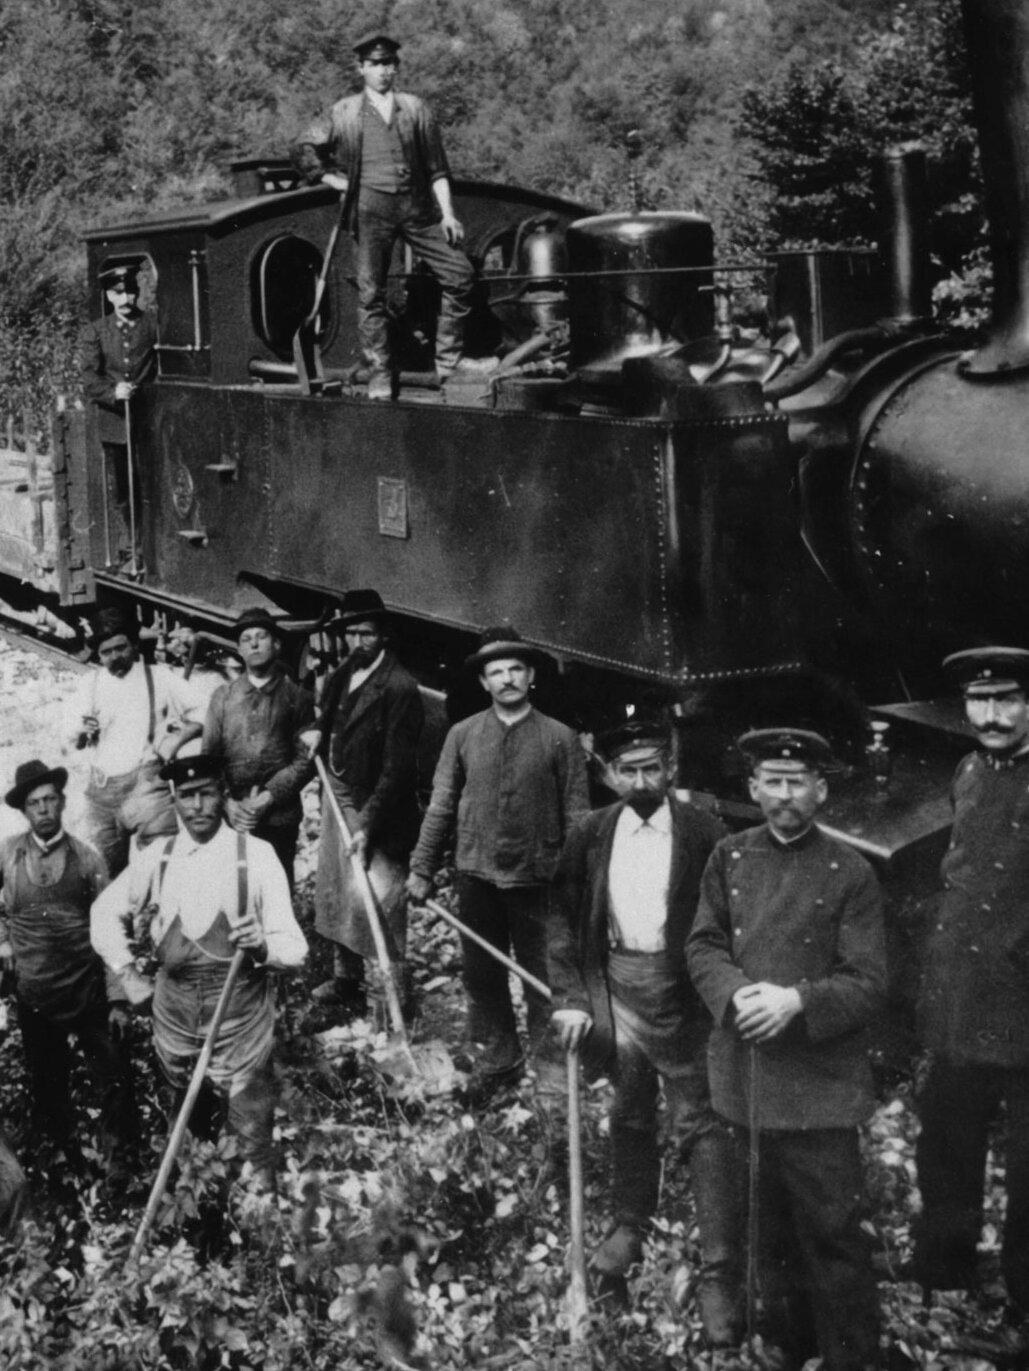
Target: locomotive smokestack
903	179
997	40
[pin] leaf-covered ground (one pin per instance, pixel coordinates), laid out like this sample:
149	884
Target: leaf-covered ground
409	1229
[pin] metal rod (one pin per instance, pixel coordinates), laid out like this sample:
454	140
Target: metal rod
435	908
133	568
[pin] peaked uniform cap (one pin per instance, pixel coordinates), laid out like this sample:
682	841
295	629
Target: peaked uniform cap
187	770
32	774
984	665
632	734
500	642
121	274
379	45
786	745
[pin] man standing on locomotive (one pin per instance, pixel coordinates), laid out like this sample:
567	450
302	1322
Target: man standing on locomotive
514	781
254	725
208	893
622	904
973	1006
383	152
117	355
134	717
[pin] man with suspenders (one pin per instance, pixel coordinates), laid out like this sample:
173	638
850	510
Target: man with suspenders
133	715
205	893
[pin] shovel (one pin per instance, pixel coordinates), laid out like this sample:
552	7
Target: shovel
307	355
430	1063
182	1122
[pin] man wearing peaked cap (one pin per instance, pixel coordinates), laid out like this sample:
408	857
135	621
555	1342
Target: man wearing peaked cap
513	781
973	1008
254	725
207	893
383	152
623	900
367	736
49	880
130	717
787	950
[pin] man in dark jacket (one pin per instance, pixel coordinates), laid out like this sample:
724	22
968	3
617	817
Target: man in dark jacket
117	355
974	1003
367	735
787	951
254	725
383	152
512	781
50	880
622	903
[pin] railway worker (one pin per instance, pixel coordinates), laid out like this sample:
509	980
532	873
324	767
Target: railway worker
254	725
50	879
973	1008
514	781
788	952
623	900
367	735
206	893
134	717
383	152
117	356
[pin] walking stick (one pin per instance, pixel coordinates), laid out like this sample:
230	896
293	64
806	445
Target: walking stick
753	1174
133	568
578	1311
182	1122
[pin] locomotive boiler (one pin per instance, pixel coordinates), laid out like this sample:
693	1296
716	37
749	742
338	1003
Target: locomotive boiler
791	517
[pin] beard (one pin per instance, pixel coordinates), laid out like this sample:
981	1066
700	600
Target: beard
644	803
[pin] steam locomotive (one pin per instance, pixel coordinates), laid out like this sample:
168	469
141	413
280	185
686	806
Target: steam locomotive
792	520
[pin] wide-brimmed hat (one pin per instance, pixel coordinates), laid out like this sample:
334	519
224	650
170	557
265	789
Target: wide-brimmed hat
503	641
358	605
256	617
30	775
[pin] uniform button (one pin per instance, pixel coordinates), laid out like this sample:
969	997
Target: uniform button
952	846
999	866
985	908
834	866
819	902
939	928
734	891
734	855
739	933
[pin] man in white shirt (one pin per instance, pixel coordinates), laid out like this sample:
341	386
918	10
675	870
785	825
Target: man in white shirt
203	893
622	905
133	716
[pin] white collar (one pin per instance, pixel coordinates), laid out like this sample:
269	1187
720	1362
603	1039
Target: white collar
384	104
47	846
186	843
660	820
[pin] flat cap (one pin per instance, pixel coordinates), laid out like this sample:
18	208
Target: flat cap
632	734
256	617
792	745
988	666
503	641
30	775
183	771
378	45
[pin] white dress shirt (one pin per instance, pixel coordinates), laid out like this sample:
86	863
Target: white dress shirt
363	672
637	880
121	706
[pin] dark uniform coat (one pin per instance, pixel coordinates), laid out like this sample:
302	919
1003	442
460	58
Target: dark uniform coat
579	926
809	915
113	352
974	1003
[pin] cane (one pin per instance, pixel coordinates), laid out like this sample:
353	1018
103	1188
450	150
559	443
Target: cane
133	569
753	1176
578	1312
182	1122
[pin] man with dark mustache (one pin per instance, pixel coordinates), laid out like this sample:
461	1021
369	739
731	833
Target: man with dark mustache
622	903
974	1001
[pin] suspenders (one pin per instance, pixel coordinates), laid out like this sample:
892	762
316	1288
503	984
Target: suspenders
152	724
242	876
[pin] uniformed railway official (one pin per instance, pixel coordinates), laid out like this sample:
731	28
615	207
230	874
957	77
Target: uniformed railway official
382	150
206	892
50	880
974	1003
787	950
622	903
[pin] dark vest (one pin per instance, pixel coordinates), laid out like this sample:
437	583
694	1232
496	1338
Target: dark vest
383	164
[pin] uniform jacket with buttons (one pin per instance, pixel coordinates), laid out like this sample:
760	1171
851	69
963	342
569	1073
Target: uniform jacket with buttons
111	353
579	915
974	1001
806	915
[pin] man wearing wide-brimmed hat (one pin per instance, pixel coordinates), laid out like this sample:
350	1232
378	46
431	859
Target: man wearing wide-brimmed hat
254	724
788	952
973	1008
513	781
367	736
50	879
132	716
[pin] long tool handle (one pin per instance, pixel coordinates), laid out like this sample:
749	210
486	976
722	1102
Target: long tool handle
182	1122
364	885
578	1304
435	908
131	458
323	275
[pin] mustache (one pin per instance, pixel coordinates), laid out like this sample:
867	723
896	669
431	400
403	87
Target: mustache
993	728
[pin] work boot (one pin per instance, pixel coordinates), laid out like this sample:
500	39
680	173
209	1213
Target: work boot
380	387
717	1186
621	1250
